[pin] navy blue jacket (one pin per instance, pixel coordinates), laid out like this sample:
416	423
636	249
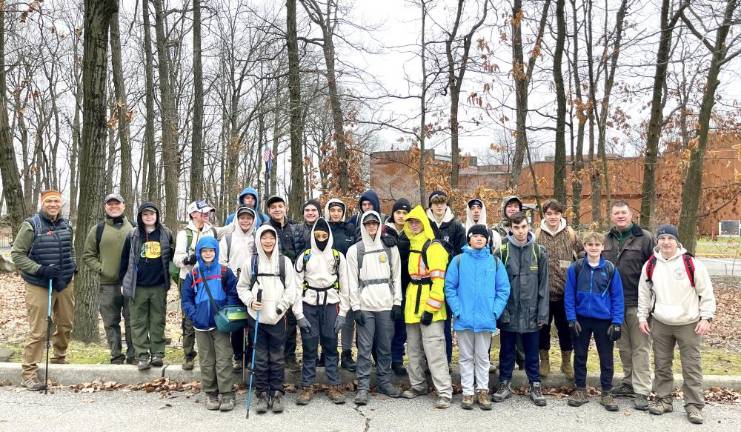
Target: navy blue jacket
596	292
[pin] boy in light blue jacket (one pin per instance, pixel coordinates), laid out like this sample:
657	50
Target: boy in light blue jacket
477	289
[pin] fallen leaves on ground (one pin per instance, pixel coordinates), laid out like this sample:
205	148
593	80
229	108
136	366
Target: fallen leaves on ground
164	386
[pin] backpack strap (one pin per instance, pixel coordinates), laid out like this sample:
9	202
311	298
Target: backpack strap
255	272
650	266
689	267
99	234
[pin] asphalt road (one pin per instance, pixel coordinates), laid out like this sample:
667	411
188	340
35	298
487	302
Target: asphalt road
22	410
722	266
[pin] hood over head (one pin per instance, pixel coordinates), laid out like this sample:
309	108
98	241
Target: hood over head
147	206
372	196
326	246
506	200
469	218
207	243
366	238
258	244
334	202
249	191
419	213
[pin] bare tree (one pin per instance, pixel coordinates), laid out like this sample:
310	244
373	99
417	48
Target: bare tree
196	159
559	162
122	115
294	91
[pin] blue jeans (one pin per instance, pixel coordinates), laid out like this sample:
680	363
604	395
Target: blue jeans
530	343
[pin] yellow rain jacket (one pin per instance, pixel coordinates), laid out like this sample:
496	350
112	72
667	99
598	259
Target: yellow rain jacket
425	292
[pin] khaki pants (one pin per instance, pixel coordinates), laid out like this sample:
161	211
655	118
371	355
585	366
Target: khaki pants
635	349
216	361
426	344
665	337
62	313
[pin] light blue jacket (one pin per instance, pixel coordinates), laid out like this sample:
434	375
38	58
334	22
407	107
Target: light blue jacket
476	289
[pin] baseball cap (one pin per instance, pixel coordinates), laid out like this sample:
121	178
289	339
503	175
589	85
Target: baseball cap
199	206
113	196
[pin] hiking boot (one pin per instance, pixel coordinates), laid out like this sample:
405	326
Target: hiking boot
118	361
143	364
467	402
157	360
305	396
227	402
130	361
33	384
640	402
361	398
346	361
398	368
536	394
578	397
694	415
212	401
442	403
660	406
623	390
277	402
545	363
58	360
484	400
504	392
188	363
390	390
262	403
336	395
607	401
412	393
566	367
237	366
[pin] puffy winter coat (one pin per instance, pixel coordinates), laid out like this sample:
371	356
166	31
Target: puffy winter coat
221	283
426	289
594	292
450	232
477	289
342	232
286	238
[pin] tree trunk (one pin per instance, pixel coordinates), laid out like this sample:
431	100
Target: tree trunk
294	92
170	155
8	166
98	16
577	158
559	162
122	108
692	191
423	107
196	160
151	185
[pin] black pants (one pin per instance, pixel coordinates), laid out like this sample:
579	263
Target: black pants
557	313
290	352
507	354
269	363
598	328
238	341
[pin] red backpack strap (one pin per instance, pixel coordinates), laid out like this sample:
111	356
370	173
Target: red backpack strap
651	265
689	267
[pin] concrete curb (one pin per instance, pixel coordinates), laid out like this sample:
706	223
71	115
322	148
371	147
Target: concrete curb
127	374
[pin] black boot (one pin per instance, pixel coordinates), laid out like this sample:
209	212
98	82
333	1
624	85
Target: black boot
347	362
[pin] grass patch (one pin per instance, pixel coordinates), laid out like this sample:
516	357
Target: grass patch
82	353
725	246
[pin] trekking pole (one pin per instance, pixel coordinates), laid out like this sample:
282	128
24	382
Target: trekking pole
248	403
48	339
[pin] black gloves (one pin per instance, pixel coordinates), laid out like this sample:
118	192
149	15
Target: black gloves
575	327
359	318
48	271
190	260
426	319
614	332
396	313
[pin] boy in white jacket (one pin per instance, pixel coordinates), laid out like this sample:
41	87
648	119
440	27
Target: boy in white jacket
374	276
322	281
269	289
676	294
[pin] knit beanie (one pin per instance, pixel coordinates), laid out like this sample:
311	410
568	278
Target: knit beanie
321	225
401	204
668	229
478	229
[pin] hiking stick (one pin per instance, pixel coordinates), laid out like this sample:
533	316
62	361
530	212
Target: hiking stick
248	403
48	339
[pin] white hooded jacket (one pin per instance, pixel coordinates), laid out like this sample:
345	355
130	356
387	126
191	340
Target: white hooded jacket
495	240
237	246
377	296
670	294
275	296
317	270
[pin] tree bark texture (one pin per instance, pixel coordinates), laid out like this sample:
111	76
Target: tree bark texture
295	199
196	160
122	109
559	162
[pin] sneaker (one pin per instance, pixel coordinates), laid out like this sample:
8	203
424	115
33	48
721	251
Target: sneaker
694	415
33	384
237	366
398	368
484	400
143	364
336	395
623	390
467	402
262	403
212	401
305	395
640	402
442	403
346	361
412	393
227	402
277	402
188	364
536	394
578	397
390	390
118	361
504	392
607	401
660	406
361	398
157	360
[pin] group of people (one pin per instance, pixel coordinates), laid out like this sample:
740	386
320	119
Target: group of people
403	283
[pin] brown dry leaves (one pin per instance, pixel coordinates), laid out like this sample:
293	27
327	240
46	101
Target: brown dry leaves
164	386
726	331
